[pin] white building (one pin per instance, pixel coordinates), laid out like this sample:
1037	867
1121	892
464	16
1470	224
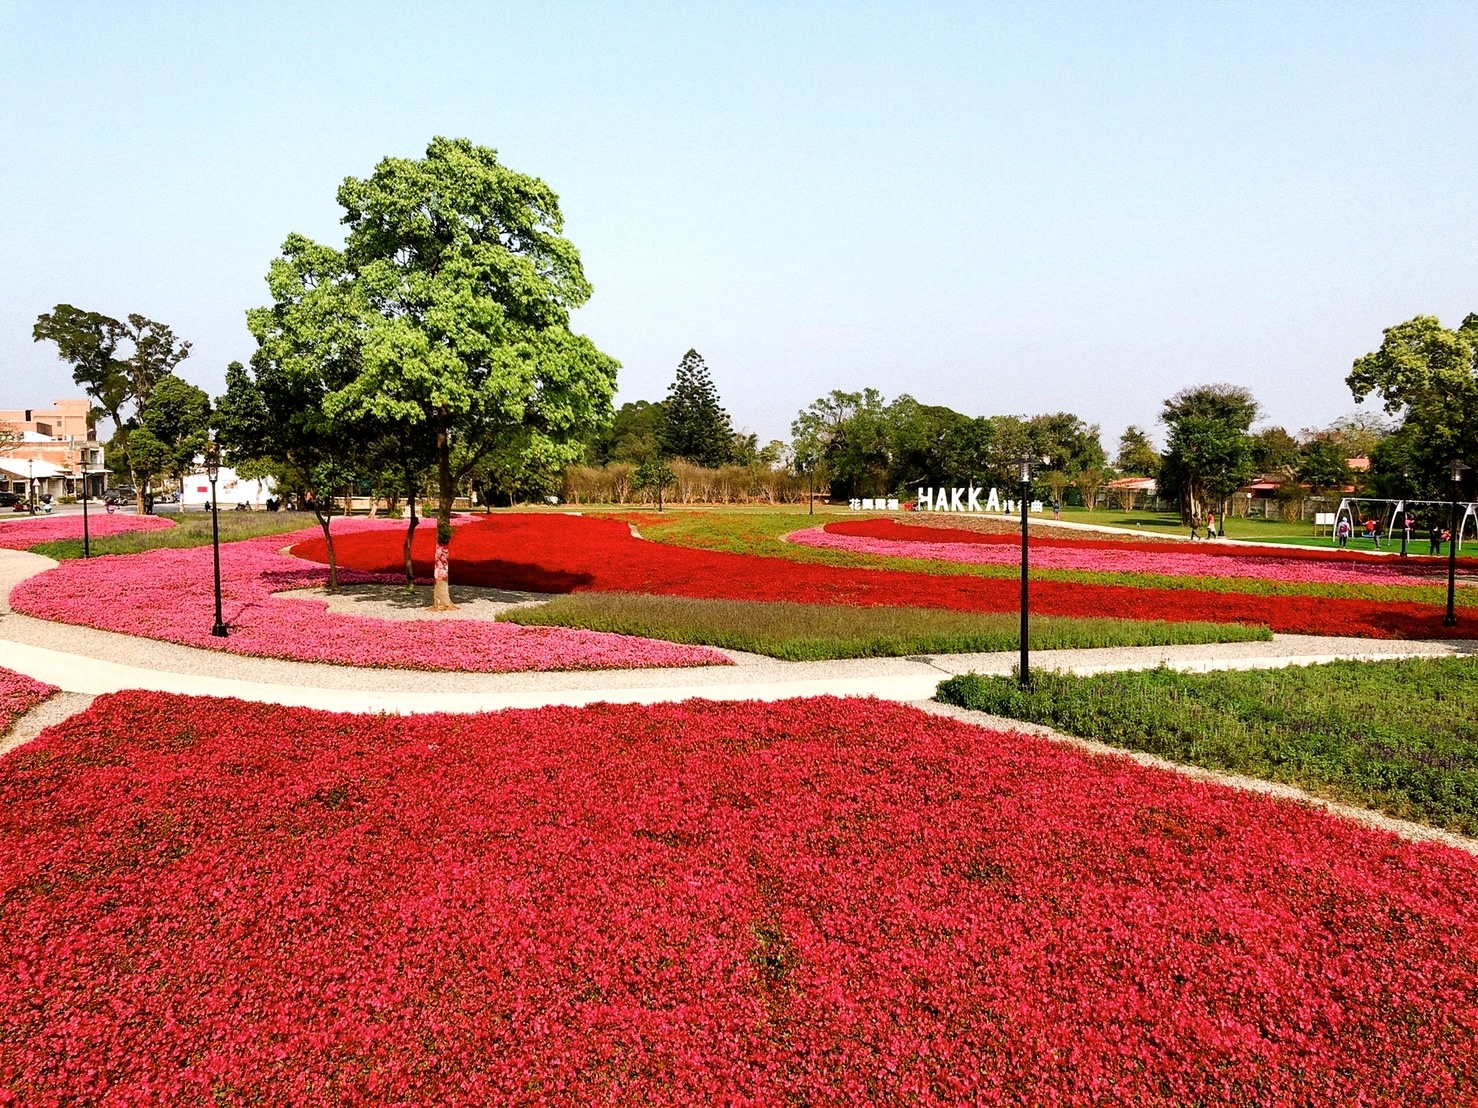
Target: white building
232	490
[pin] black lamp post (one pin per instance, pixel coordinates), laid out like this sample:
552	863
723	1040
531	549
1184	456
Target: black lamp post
1024	467
1456	472
213	470
86	538
1405	511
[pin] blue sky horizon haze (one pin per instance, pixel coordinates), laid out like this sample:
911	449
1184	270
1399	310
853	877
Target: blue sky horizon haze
1004	208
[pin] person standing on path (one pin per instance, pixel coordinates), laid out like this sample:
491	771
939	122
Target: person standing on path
1434	540
1342	533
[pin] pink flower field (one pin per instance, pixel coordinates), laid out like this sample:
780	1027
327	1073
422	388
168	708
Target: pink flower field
168	594
18	695
814	902
1122	558
19	534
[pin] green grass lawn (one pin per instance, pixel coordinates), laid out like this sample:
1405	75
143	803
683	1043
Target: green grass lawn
812	632
190	529
1400	737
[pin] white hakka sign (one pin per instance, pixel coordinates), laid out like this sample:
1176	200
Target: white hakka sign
967	500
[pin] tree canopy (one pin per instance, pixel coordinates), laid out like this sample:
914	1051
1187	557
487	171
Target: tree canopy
695	426
1209	453
1137	456
119	386
1427	376
446	318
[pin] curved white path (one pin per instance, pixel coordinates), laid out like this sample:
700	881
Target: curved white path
86	661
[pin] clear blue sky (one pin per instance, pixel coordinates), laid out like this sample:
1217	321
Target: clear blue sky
1006	208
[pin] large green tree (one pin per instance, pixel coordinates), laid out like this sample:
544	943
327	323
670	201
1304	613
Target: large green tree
632	436
1209	454
118	383
1322	465
1137	456
1427	375
847	434
309	346
695	426
469	285
174	427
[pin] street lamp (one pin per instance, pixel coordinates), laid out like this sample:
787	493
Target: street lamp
1456	473
31	484
1405	511
212	471
86	538
1024	469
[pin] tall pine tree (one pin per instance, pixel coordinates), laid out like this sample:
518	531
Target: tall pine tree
695	428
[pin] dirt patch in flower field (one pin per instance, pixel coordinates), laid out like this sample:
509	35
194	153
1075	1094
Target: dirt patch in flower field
387	601
807	902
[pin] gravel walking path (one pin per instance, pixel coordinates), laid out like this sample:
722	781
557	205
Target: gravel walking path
88	661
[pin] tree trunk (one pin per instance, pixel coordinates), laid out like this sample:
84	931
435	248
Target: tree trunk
441	592
410	533
328	541
138	490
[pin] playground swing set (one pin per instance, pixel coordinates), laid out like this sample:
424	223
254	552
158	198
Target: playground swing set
1355	508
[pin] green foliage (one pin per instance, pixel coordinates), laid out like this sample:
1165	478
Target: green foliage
1322	465
866	447
1274	450
89	342
1395	736
1137	456
811	632
121	386
695	426
469	285
846	433
174	428
1427	375
654	475
1209	453
632	437
276	414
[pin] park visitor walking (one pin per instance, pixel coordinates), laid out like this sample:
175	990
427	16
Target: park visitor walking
1342	533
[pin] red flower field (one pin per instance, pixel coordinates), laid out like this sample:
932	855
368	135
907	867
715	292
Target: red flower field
18	695
889	529
811	902
566	553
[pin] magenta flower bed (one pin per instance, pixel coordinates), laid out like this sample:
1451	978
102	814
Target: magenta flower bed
19	534
815	902
18	695
1123	558
168	594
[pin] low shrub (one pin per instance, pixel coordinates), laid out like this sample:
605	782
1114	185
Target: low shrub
810	632
1400	737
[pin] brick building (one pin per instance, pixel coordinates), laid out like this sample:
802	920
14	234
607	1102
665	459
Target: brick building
49	447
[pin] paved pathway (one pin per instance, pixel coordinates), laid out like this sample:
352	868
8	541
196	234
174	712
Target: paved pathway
90	662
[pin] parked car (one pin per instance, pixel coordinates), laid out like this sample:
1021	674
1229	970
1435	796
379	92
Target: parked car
11	499
124	494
